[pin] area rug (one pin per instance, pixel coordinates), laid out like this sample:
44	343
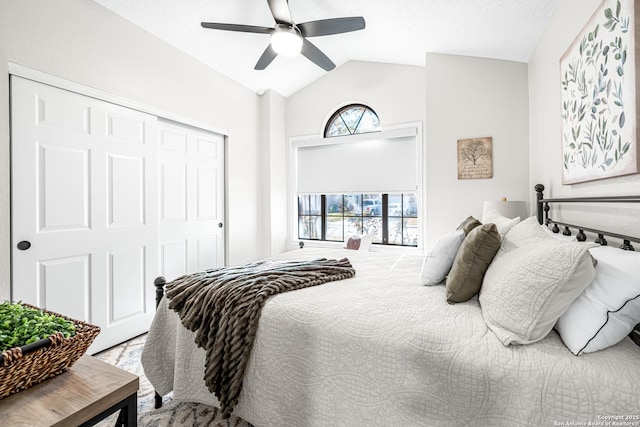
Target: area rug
172	414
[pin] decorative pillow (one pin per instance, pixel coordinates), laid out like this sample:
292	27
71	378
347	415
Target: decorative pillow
468	224
359	242
608	310
439	260
365	242
526	289
503	223
471	262
353	243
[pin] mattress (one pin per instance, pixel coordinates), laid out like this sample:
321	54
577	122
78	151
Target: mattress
379	349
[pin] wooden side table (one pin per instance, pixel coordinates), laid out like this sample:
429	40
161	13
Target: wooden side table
87	393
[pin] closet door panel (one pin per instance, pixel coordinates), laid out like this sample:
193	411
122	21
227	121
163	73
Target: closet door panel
84	196
191	229
62	173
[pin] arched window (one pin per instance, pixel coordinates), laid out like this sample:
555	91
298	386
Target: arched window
352	119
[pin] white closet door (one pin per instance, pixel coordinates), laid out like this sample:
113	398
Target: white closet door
84	197
191	209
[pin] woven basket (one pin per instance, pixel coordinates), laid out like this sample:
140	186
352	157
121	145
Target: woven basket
22	367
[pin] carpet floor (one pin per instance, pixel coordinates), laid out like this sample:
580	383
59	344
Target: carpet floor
172	414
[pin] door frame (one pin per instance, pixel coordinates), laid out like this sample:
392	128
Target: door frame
58	82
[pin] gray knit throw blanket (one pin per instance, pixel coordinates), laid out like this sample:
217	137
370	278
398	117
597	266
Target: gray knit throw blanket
222	306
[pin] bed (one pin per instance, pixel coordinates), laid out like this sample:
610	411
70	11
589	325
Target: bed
379	349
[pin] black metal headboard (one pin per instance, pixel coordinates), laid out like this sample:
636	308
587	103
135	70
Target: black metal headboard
543	218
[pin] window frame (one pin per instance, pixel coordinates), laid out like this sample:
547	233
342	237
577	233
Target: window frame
414	128
324	215
338	114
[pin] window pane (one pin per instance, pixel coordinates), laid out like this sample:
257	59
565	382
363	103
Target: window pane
395	231
410	205
403	231
309	204
373	226
335	228
410	232
353	204
395	205
368	123
309	227
372	205
336	128
334	204
352	117
353	225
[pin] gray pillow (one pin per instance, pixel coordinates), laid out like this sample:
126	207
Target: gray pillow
471	262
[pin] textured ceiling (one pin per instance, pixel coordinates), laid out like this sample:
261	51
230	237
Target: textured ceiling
397	32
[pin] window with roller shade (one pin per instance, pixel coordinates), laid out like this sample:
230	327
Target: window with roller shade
359	184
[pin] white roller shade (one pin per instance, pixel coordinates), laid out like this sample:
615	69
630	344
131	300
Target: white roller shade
384	162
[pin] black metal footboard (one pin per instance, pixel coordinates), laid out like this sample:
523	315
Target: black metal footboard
159	284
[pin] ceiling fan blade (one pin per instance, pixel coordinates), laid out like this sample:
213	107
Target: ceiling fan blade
325	27
316	56
267	57
280	11
237	27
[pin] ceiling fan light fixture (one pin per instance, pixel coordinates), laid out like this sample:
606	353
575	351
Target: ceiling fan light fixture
286	41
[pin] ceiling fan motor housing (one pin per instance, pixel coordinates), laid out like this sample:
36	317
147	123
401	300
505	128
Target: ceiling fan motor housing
286	40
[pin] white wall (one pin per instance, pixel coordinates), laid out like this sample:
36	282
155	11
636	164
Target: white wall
82	42
273	163
545	118
467	98
395	92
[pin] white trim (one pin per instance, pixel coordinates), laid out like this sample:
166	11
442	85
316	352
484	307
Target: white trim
48	79
390	133
394	131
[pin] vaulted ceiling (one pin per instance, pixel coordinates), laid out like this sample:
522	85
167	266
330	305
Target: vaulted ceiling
399	32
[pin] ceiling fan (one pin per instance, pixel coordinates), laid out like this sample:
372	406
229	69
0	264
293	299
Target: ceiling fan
289	38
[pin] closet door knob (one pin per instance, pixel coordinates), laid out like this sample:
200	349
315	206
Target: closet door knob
219	225
24	245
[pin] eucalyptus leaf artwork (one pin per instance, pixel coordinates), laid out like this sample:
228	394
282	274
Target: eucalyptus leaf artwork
598	78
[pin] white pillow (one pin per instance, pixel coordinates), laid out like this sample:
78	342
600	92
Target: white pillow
524	233
609	309
526	289
439	260
503	223
365	242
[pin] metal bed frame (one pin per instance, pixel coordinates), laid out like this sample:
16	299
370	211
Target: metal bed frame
543	209
543	218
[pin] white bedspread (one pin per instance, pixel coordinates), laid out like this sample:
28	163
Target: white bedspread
381	350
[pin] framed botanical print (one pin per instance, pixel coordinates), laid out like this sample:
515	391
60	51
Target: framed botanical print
599	78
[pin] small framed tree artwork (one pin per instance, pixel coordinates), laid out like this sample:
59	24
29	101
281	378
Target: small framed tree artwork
599	78
475	158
